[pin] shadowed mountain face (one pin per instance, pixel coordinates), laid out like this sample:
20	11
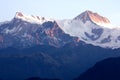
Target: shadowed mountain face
37	78
108	69
63	63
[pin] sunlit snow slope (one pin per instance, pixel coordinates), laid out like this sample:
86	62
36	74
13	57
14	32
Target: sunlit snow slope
93	29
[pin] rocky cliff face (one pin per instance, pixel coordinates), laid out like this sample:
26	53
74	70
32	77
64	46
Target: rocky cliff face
23	34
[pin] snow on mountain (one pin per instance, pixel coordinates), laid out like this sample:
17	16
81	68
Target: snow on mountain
92	29
95	18
33	38
31	18
22	33
89	27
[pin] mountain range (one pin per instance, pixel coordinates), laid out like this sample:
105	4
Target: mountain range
30	30
34	46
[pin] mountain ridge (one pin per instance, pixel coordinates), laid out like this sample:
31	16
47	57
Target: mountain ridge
32	18
95	17
29	29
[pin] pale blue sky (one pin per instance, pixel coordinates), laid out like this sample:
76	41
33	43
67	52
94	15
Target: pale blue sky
60	9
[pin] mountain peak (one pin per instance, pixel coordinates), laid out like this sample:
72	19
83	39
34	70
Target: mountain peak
91	16
19	14
31	18
88	12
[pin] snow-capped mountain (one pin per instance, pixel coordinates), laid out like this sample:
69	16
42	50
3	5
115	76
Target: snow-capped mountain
93	29
93	17
29	30
32	18
63	49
